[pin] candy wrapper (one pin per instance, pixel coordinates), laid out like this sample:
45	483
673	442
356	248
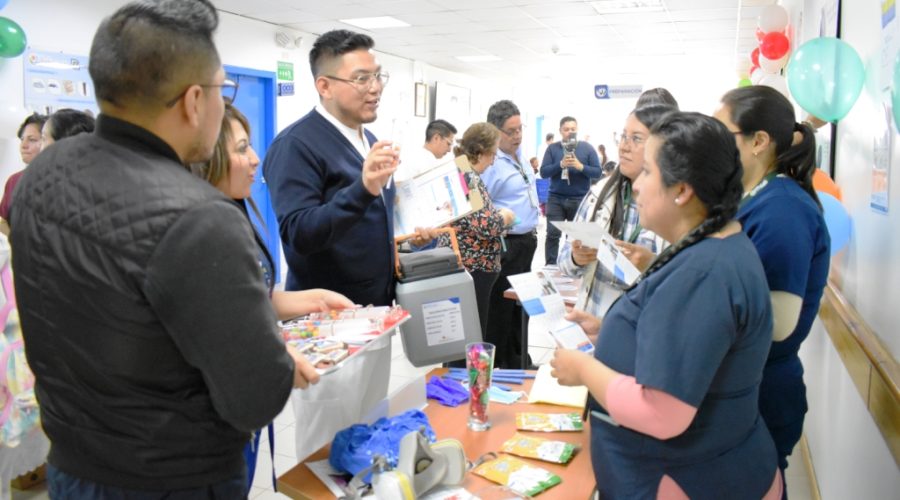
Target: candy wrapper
328	338
518	475
558	452
549	422
480	366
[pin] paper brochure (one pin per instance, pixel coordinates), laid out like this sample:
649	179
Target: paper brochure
609	255
542	302
433	198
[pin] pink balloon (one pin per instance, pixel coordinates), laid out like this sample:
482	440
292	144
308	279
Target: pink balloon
774	46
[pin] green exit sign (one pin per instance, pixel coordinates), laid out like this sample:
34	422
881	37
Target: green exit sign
285	71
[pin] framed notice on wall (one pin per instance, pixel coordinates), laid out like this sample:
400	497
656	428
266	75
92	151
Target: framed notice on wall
421	95
54	80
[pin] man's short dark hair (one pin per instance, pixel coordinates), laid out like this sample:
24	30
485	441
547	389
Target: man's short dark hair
149	50
549	136
333	44
566	119
33	119
440	127
501	111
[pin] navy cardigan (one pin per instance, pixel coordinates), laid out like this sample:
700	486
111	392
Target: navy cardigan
335	234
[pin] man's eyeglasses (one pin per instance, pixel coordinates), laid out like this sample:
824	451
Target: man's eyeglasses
229	90
512	132
364	81
636	140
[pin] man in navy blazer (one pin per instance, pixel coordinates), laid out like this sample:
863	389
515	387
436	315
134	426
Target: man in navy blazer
330	180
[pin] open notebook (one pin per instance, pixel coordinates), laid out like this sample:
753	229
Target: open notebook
547	390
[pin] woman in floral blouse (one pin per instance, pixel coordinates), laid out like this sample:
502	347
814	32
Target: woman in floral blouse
479	233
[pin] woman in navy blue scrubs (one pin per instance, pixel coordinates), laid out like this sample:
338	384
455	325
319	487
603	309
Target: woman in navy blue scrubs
675	375
781	214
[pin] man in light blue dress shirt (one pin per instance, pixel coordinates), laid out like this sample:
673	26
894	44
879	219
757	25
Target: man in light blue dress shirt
511	185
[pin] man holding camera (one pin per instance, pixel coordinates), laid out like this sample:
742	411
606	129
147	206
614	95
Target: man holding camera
570	165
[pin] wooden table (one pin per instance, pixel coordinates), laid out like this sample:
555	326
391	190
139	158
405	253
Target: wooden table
577	476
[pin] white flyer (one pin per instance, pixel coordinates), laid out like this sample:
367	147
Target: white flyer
431	199
609	255
613	259
547	310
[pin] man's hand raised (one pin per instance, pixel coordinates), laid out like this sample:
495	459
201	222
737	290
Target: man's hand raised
379	166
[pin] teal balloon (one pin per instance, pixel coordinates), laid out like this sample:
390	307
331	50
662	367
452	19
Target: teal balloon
837	220
895	92
826	76
12	38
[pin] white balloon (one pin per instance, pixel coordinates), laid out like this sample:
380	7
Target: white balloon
777	82
772	66
757	76
743	66
773	18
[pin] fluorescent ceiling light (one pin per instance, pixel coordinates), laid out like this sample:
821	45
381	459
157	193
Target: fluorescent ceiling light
482	58
627	6
374	23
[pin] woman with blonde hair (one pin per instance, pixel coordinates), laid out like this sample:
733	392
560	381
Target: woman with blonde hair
479	233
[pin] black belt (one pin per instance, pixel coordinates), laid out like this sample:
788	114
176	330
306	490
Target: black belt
532	234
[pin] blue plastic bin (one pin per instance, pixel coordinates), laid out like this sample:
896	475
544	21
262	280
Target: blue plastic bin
543	189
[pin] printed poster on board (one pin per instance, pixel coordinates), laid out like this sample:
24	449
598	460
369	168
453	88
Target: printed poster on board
55	80
882	149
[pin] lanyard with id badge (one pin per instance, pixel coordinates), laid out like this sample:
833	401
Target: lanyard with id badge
529	186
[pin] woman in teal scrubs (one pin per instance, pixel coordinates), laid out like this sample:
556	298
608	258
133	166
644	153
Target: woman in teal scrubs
781	214
674	380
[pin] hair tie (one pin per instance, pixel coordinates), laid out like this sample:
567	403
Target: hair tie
798	127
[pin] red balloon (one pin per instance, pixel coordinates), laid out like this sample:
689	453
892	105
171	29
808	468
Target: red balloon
754	56
774	46
752	69
760	34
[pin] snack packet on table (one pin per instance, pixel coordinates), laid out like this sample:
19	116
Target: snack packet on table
518	475
558	452
549	422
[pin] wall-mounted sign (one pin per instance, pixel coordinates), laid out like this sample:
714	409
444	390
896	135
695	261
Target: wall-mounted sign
618	91
54	80
286	71
285	89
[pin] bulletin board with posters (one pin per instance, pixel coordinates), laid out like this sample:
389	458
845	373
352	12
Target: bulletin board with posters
55	80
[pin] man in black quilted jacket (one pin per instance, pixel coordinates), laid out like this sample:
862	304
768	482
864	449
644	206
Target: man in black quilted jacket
146	319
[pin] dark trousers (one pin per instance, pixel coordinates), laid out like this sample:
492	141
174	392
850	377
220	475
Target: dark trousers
484	284
558	208
63	486
505	318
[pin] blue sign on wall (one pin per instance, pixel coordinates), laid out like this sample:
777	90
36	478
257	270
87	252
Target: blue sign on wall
617	91
54	80
285	88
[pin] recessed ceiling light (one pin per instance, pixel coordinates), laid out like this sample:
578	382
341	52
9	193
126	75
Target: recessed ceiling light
374	23
627	6
481	58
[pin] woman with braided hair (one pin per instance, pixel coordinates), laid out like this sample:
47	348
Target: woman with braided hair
674	380
781	214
